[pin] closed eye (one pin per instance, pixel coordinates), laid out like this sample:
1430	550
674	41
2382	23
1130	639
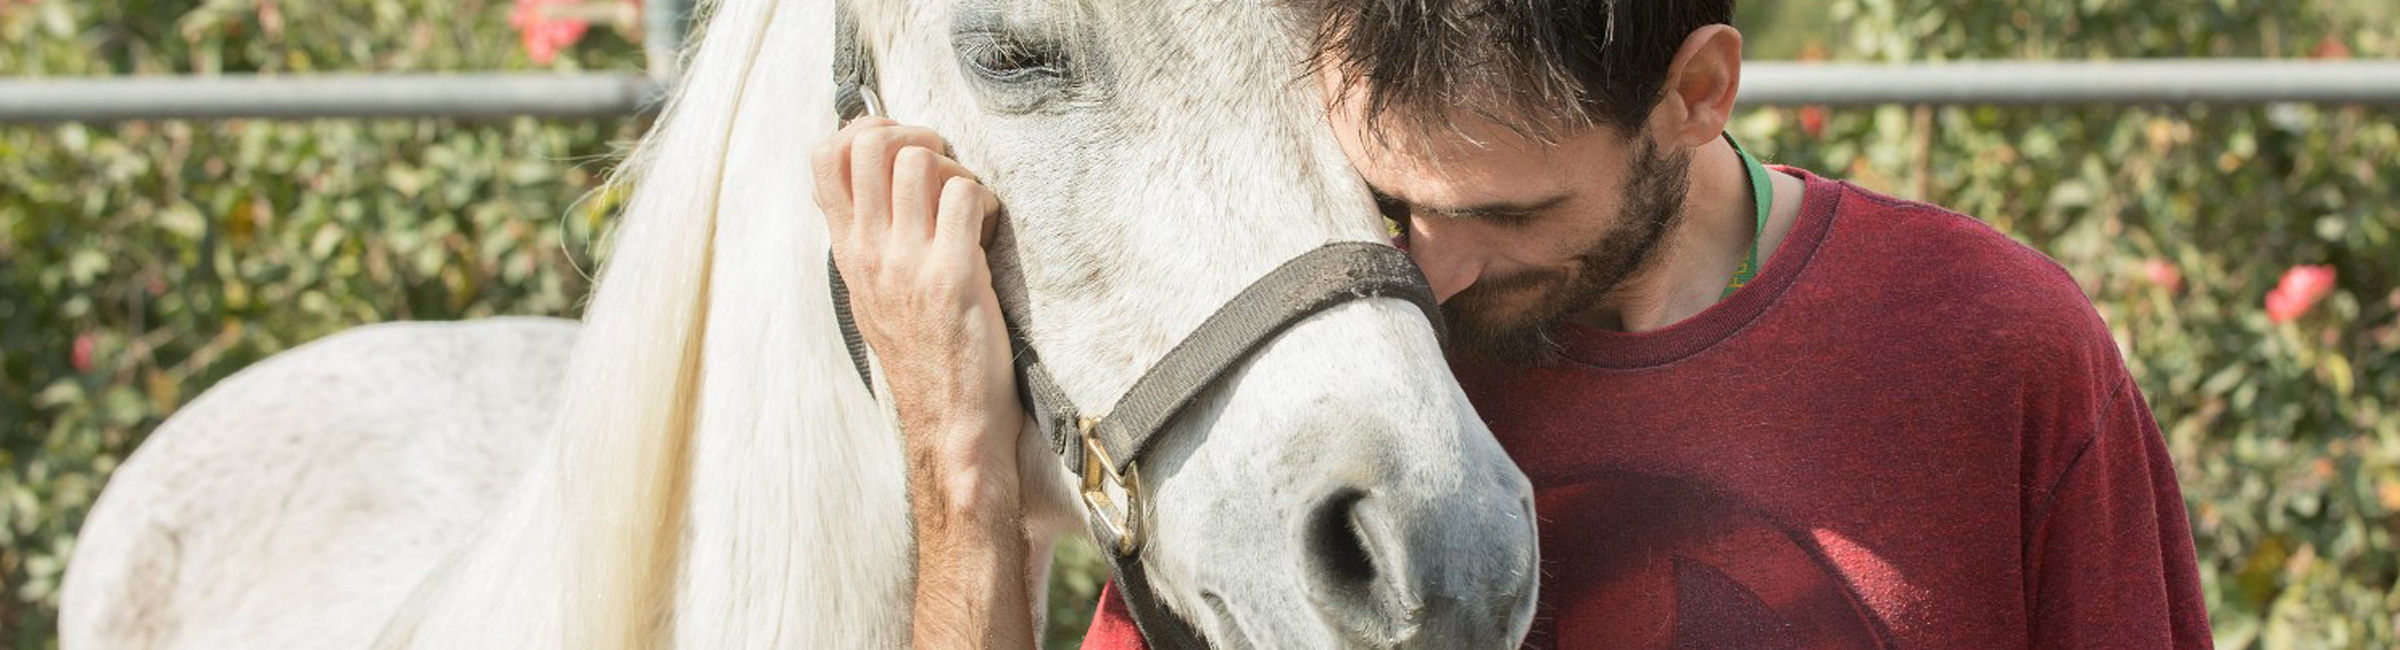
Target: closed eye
1399	210
1000	57
1495	217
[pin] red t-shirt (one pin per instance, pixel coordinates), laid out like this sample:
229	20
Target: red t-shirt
1908	431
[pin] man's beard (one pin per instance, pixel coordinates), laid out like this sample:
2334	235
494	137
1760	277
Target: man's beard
1651	203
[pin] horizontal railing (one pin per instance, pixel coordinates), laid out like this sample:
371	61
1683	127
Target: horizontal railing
2149	81
485	96
1766	83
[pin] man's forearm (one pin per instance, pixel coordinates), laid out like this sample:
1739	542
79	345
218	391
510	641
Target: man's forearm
971	552
921	293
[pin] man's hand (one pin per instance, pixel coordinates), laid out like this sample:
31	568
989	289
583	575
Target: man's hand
908	225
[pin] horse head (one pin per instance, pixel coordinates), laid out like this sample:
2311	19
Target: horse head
1154	159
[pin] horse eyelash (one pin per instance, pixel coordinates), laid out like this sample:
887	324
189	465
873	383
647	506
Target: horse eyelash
1007	59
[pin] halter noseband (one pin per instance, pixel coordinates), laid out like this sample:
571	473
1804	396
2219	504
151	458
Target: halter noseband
1104	451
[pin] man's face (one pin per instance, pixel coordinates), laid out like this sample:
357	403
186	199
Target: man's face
1518	236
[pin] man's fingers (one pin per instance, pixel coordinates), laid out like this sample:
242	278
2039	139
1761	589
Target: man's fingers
917	175
830	167
872	152
918	184
967	215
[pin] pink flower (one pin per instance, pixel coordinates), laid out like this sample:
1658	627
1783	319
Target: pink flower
2301	288
81	355
544	34
2164	274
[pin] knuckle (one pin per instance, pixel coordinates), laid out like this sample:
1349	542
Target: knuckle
873	145
866	123
922	136
889	275
959	194
915	160
944	283
961	187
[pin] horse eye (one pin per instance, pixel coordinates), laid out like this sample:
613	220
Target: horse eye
1004	59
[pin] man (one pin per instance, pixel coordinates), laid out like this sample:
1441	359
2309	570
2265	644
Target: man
1760	408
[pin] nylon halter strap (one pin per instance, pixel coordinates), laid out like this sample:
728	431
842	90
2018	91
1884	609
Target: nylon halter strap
1104	449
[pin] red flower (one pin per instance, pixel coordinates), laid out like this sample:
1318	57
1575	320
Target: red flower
81	355
1812	121
2164	274
2331	48
543	33
1812	118
2301	288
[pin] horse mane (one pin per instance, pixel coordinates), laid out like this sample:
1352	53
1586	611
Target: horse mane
711	454
689	363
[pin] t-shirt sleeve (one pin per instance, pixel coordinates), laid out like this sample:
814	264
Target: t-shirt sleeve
2110	560
1112	626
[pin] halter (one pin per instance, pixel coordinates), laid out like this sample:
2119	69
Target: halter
1105	450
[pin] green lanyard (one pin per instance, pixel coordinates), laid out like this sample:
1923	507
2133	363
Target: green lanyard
1764	193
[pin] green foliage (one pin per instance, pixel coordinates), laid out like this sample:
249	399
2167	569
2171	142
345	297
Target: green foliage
141	263
2178	221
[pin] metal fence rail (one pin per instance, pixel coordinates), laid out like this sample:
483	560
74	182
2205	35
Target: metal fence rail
2152	81
2213	81
315	97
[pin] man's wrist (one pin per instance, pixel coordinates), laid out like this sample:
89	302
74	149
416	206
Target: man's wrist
962	480
978	497
971	593
971	556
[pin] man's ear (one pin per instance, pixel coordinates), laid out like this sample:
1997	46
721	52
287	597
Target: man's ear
1700	88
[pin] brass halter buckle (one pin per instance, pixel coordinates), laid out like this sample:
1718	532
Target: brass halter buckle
1120	512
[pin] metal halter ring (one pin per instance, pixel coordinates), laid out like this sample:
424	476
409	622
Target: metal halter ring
1122	517
852	101
873	101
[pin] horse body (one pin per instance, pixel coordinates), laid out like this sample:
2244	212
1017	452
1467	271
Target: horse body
310	492
715	476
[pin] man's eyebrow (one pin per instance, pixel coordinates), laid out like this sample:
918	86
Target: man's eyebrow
1477	211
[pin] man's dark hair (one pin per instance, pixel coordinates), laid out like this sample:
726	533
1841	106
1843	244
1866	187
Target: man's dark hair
1542	67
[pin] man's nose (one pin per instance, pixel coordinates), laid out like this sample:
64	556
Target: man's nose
1442	252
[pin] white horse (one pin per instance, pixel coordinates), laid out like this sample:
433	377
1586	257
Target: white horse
711	473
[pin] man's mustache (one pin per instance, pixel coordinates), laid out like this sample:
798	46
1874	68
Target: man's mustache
1487	290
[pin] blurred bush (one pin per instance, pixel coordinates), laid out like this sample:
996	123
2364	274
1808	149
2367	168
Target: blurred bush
141	263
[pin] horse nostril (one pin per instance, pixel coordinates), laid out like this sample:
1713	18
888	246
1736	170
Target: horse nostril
1335	544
